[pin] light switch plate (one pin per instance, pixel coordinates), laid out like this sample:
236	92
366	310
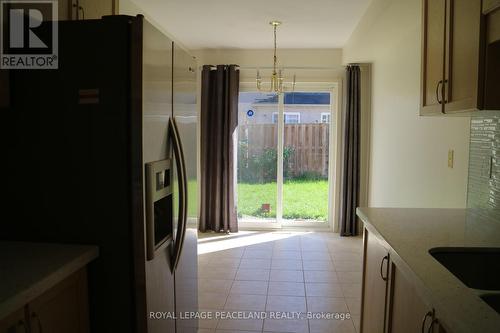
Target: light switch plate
450	158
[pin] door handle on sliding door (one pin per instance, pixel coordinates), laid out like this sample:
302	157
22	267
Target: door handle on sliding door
181	174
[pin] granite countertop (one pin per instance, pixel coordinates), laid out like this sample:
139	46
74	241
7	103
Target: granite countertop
411	232
27	270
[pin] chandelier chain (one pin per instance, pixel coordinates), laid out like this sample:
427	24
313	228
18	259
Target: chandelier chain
275	47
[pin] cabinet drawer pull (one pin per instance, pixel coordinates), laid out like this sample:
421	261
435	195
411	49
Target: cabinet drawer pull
381	267
444	100
38	321
78	10
23	325
434	321
428	314
437	91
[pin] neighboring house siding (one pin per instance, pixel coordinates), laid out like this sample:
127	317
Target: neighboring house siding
263	113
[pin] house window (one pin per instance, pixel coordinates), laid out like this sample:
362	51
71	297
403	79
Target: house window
290	117
325	117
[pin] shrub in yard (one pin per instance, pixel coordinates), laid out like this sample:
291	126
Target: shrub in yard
261	168
288	152
310	175
267	162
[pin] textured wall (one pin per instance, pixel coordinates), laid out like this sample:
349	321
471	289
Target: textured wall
484	161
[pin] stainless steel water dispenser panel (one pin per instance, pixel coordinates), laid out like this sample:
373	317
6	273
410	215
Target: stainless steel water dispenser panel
158	205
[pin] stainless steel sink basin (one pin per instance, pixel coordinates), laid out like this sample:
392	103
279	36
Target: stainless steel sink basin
493	300
476	267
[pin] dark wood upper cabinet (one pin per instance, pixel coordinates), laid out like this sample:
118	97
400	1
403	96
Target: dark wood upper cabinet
86	9
491	97
433	46
461	71
458	57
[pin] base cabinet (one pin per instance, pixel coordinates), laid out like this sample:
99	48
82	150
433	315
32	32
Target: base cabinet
390	301
375	270
62	309
407	310
14	323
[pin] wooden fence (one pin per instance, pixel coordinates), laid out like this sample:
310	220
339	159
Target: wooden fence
307	144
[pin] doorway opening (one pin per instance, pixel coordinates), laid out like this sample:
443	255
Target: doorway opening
285	157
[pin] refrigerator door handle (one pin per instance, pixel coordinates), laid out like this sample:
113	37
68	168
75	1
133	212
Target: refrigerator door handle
185	202
181	174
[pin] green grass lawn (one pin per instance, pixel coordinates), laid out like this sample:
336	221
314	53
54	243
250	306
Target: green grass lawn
192	199
302	199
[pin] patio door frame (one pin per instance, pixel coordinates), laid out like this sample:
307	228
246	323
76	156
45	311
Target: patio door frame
334	148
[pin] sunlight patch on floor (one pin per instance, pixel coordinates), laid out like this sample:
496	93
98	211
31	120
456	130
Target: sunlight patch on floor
213	242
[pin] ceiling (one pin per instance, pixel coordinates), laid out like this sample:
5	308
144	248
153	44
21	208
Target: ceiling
202	24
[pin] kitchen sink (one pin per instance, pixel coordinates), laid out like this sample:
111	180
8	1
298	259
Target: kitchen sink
476	267
493	300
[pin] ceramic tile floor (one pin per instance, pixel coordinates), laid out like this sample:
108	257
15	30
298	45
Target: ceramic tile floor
280	272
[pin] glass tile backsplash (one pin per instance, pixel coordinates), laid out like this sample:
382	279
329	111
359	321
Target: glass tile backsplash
484	161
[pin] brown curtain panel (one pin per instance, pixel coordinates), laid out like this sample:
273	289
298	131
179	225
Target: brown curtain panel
349	197
219	119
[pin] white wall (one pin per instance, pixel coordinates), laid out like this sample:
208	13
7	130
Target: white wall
324	65
408	162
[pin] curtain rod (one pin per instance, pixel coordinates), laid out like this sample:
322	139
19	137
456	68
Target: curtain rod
291	67
285	68
213	68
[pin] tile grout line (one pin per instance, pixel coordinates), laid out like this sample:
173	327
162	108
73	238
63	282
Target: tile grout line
232	282
268	283
340	285
305	289
343	294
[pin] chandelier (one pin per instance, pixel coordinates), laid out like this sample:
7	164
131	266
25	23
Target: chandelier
277	79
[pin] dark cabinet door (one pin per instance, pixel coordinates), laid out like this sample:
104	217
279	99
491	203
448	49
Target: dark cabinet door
433	48
62	309
463	25
375	281
14	323
407	311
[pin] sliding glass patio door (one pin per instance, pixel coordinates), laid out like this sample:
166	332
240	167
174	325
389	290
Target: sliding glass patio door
257	152
285	157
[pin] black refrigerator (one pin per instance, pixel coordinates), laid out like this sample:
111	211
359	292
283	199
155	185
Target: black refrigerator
103	151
